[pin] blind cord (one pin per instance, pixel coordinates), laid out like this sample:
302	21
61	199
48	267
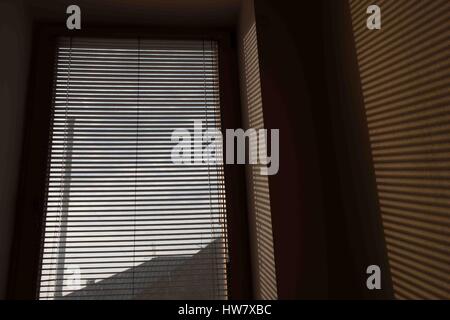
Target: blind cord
136	166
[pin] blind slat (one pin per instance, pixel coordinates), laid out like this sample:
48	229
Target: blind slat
122	220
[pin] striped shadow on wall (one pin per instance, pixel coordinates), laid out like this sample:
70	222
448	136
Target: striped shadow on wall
260	212
405	70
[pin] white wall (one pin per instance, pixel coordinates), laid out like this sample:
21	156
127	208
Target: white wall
15	39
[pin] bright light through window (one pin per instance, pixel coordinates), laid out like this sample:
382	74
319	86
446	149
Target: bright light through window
122	220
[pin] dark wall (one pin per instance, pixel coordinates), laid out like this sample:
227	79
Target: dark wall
15	39
326	223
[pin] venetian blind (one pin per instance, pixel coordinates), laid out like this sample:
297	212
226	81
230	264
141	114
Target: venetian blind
123	221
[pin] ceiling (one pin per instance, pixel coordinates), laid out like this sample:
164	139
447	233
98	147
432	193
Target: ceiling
214	13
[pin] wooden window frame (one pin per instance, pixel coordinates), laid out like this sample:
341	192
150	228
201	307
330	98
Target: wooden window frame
30	204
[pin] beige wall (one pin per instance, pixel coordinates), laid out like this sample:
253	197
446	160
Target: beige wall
405	70
15	39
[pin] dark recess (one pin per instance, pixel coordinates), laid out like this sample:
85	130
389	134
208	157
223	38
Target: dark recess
326	223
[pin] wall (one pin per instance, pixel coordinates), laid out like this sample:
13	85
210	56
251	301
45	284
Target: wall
182	13
15	37
260	220
326	224
405	68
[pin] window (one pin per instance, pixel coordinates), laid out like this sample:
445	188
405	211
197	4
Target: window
122	220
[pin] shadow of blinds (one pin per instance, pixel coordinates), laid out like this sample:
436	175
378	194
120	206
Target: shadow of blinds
266	286
405	75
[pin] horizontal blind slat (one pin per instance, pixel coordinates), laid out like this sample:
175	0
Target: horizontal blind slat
122	220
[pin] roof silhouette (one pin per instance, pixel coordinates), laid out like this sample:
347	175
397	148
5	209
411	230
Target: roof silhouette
198	276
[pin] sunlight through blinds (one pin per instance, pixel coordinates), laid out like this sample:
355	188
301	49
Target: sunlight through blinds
261	216
405	68
122	220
